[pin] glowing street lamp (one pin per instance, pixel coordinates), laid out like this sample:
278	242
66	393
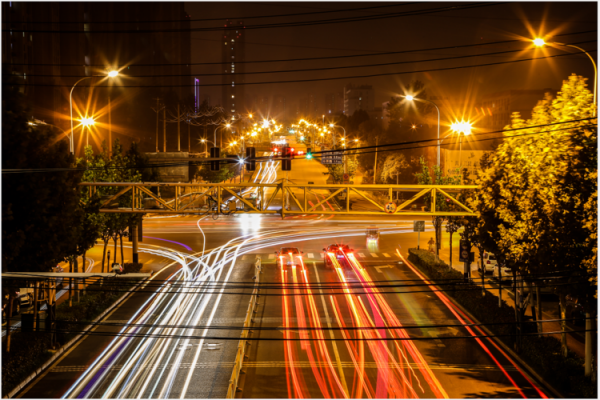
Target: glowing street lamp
111	74
86	122
539	42
463	129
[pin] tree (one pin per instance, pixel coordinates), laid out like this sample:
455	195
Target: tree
540	187
41	216
424	178
392	166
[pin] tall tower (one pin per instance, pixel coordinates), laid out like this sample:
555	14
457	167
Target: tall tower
233	52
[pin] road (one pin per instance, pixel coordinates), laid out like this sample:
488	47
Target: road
178	336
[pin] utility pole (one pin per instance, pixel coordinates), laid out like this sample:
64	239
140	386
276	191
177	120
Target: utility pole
109	131
189	137
178	130
165	129
375	167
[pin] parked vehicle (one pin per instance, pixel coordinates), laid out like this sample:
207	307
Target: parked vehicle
6	301
489	263
506	273
574	310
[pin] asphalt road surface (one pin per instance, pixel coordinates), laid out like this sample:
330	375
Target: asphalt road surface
177	336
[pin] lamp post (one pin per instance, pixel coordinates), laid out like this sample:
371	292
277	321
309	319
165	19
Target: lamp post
220	126
206	142
86	122
411	98
540	43
463	129
111	74
343	139
71	107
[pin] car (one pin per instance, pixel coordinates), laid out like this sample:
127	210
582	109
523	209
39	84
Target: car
506	273
489	263
5	304
574	310
288	257
339	250
372	236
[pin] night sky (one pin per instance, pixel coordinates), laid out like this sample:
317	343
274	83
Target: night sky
490	23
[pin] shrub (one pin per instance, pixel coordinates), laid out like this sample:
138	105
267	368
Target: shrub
132	267
541	353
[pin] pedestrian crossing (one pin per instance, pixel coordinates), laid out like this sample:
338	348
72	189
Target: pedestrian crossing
314	256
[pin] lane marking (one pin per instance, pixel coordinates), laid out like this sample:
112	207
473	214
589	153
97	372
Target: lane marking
311	255
271	256
386	255
362	255
374	255
335	349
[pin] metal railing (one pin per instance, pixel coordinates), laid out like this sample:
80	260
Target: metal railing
280	198
243	344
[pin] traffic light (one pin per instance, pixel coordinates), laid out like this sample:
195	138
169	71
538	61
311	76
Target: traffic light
286	162
465	251
309	153
250	159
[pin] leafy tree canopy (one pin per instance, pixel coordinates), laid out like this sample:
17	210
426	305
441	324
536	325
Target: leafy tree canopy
538	197
41	217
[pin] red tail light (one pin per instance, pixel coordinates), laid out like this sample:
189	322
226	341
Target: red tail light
488	262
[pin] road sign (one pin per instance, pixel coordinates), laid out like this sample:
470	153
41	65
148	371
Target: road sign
346	178
419	226
390	208
332	157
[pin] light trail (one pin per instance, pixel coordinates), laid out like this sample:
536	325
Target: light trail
455	311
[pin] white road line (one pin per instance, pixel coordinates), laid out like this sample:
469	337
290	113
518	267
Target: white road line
386	255
271	256
374	255
311	255
362	255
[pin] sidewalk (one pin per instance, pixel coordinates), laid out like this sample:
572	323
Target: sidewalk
575	341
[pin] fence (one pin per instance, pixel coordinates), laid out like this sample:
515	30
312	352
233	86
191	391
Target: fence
243	344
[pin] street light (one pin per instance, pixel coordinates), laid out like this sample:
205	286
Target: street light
111	74
206	142
539	42
463	129
87	122
215	133
411	98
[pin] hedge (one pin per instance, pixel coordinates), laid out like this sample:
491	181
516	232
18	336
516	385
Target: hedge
30	350
543	354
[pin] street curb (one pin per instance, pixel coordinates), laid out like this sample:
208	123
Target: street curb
555	392
67	346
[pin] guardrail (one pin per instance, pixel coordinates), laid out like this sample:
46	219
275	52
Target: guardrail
280	198
243	344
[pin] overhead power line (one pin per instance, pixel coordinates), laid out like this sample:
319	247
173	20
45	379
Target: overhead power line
278	25
312	69
309	80
220	18
380	148
452	47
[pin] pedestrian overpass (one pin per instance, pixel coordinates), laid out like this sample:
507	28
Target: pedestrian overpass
284	199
